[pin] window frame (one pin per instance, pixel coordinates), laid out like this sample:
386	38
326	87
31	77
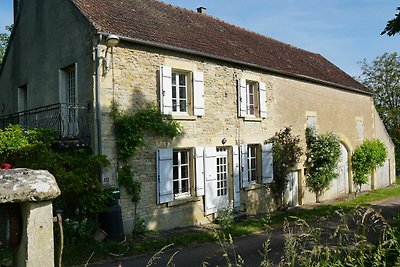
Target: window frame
188	165
253	163
188	92
252	109
251	99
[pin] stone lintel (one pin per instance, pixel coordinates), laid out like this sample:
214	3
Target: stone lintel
25	185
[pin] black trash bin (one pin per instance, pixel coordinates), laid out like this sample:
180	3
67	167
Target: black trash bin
111	220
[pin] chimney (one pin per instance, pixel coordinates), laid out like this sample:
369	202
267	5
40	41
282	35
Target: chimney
17	7
201	10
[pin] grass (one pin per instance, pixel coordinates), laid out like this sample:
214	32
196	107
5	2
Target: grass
79	253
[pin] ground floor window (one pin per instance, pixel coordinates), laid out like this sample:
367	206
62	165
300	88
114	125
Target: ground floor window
181	177
222	172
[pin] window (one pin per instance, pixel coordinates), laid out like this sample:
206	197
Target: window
69	99
252	163
256	164
251	99
181	92
181	179
222	172
312	122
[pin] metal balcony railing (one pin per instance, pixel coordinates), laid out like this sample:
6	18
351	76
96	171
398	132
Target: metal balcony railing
70	121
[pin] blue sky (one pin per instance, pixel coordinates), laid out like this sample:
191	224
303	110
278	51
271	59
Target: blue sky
343	31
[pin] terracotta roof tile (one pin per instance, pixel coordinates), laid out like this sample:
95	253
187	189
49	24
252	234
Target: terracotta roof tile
157	22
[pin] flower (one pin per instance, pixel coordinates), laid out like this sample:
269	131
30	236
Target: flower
6	166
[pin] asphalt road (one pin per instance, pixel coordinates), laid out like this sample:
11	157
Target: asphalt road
248	247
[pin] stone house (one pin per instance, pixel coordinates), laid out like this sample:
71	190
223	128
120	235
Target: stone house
231	89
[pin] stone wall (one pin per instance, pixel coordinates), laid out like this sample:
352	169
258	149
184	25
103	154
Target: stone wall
136	82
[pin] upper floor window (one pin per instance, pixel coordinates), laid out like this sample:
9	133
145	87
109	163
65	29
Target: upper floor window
181	92
251	99
360	129
312	122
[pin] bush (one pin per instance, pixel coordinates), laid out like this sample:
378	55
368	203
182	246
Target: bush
369	155
323	154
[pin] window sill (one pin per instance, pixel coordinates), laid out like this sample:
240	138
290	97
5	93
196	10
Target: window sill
254	187
183	117
253	119
181	201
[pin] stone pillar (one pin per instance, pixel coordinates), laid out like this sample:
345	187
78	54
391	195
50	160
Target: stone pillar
34	190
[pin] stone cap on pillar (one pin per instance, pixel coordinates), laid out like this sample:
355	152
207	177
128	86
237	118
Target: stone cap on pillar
25	185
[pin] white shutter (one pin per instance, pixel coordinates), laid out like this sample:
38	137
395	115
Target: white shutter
165	89
244	165
199	171
267	163
198	93
242	99
262	99
164	176
236	177
210	172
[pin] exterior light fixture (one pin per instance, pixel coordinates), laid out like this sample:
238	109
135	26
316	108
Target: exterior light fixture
112	41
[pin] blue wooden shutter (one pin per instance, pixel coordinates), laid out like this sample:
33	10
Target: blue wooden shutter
267	163
236	177
244	165
262	99
242	98
165	191
198	93
165	89
199	171
210	172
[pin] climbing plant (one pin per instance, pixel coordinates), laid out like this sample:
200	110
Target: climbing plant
323	154
130	129
286	154
366	158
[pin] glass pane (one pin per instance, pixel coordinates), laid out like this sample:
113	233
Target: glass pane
182	79
175	158
176	187
185	172
184	157
174	91
182	105
182	92
174	105
175	173
185	186
173	78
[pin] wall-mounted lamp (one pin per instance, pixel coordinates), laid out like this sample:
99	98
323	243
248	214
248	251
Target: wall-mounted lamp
111	41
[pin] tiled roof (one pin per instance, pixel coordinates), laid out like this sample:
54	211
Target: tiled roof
156	22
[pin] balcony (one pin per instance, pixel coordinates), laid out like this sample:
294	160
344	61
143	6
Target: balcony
70	121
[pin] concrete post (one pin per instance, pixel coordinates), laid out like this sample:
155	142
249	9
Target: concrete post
34	190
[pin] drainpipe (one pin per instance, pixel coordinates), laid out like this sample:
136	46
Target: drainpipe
97	96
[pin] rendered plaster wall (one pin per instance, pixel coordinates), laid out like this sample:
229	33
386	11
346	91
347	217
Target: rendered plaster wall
49	36
133	82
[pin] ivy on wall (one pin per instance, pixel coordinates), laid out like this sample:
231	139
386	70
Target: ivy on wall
130	129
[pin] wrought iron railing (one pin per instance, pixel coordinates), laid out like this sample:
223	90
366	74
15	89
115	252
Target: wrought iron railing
70	121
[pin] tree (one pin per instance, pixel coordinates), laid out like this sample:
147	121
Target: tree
393	25
286	154
4	38
382	76
323	154
369	155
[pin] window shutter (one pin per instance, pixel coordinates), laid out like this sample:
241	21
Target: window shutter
236	177
244	170
360	129
165	89
210	172
242	99
267	163
164	176
263	98
198	93
199	171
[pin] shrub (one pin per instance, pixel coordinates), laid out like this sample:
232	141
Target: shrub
323	154
369	155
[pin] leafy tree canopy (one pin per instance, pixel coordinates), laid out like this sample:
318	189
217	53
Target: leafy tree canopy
393	25
4	38
382	76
